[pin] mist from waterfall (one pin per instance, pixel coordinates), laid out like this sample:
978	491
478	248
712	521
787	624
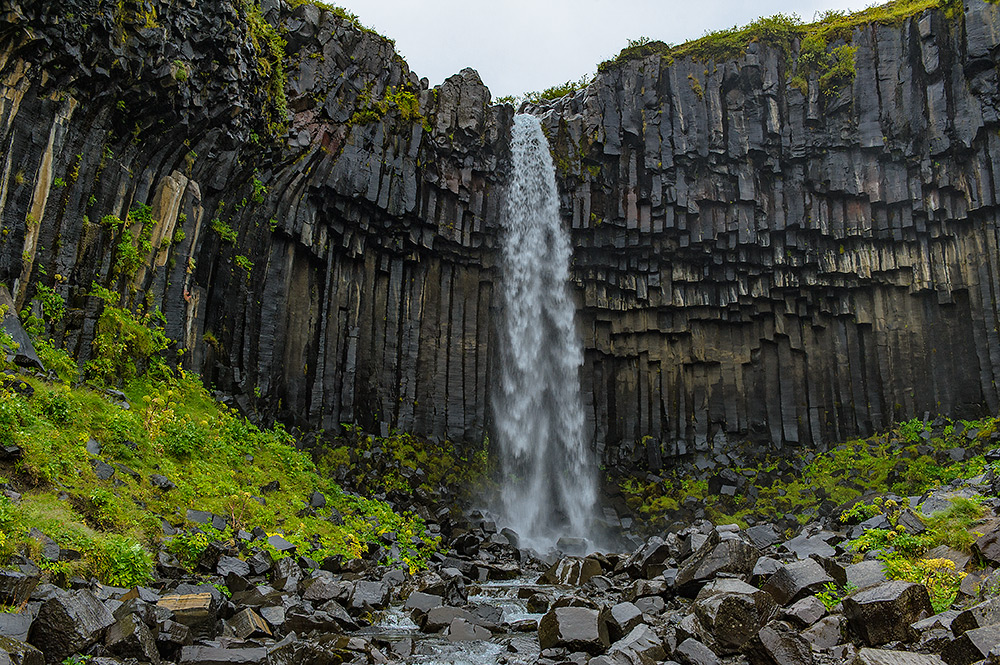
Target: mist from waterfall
548	484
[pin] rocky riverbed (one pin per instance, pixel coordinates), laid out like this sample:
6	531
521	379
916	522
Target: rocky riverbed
697	594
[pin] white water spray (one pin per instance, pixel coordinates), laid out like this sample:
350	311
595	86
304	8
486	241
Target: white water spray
549	490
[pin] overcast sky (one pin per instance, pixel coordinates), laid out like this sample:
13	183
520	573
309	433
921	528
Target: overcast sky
519	46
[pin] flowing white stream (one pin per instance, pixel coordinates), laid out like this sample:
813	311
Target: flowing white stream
549	490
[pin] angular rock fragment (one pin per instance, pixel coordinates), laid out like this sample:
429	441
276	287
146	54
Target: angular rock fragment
574	628
797	580
885	612
69	622
778	644
733	612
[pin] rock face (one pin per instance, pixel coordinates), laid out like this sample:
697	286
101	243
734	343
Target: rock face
734	235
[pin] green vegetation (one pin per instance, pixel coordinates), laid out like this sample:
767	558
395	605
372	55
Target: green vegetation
820	48
225	231
831	595
135	243
900	462
553	92
400	102
270	46
439	464
217	460
902	552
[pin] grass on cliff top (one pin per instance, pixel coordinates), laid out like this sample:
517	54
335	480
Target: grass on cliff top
216	458
779	30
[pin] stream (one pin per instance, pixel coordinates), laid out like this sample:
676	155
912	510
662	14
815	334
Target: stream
516	643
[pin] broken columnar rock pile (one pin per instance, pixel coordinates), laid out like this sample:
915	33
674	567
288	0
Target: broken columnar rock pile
703	595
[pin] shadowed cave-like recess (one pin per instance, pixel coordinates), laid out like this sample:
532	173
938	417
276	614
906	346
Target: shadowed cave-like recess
751	260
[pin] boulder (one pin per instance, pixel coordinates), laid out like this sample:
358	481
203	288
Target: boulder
131	638
204	655
693	652
15	587
369	596
778	643
439	618
571	570
885	612
826	633
191	609
247	623
68	623
797	580
230	564
622	618
978	616
648	559
733	612
805	612
462	630
16	652
973	645
866	573
641	645
885	657
574	628
727	556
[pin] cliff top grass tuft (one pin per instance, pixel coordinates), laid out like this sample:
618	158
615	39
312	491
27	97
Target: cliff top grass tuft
779	30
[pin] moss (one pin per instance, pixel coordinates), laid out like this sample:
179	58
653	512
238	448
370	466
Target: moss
782	31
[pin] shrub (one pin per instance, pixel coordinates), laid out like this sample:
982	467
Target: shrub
124	345
120	561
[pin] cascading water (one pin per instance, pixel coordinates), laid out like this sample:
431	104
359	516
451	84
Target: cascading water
548	490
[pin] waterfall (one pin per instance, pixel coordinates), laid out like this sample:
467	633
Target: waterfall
548	484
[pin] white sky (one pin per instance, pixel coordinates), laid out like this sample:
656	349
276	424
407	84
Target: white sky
520	46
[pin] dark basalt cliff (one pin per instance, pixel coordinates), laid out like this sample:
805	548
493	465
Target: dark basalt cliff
751	260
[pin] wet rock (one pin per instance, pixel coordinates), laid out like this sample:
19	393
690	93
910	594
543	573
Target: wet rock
693	652
462	630
826	633
797	580
647	561
204	655
16	652
886	657
728	556
778	644
15	587
573	571
622	618
574	628
537	603
804	612
885	613
984	614
131	638
439	618
733	612
640	645
69	622
972	646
